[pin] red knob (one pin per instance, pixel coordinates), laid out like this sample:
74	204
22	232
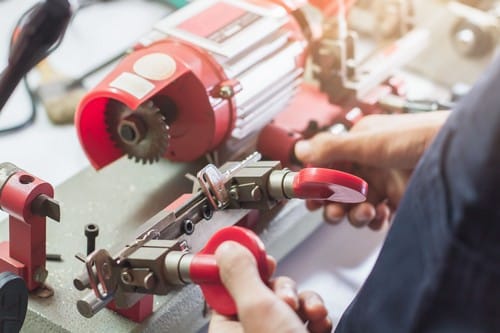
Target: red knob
329	185
204	271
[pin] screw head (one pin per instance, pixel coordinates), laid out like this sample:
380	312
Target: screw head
226	92
233	193
126	277
91	230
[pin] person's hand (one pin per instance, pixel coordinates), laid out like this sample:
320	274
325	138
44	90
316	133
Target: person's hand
264	309
383	150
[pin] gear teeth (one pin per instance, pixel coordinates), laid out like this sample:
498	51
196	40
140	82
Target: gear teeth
155	143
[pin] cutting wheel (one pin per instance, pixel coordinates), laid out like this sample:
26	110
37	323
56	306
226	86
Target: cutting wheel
141	134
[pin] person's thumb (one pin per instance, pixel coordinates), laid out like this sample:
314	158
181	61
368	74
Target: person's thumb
239	273
322	149
259	310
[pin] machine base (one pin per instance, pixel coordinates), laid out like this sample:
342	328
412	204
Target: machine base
119	199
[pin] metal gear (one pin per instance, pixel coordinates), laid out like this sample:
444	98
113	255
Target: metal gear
142	134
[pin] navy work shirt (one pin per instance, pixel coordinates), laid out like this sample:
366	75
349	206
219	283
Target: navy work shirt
439	269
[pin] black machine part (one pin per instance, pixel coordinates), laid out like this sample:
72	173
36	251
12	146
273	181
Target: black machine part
40	30
13	302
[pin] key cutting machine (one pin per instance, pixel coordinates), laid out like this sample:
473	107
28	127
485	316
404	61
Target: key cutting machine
220	78
224	77
155	262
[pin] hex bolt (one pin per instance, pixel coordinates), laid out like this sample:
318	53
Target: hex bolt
91	232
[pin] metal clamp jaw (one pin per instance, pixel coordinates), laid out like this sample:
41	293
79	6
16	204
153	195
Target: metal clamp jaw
158	266
137	269
158	260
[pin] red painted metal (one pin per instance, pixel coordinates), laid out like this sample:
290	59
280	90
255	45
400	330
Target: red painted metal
308	113
25	252
329	185
137	312
203	120
201	123
204	270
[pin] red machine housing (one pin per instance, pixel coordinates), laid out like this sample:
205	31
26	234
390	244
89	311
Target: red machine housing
218	71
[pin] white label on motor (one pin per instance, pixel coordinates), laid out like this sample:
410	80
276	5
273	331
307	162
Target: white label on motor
132	84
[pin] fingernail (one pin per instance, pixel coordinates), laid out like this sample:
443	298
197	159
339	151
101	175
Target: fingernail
362	216
302	149
287	293
313	301
334	219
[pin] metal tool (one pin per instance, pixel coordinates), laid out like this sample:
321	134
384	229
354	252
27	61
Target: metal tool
247	185
28	200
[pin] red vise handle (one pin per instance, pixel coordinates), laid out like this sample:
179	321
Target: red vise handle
317	184
329	185
204	271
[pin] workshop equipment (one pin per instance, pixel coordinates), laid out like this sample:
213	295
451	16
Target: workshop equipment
155	264
28	200
467	35
247	185
201	84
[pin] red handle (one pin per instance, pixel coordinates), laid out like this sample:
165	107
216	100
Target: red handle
329	185
204	271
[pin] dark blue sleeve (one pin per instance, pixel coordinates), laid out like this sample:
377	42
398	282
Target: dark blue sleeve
439	268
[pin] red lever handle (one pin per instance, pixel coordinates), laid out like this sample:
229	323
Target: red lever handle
204	271
329	185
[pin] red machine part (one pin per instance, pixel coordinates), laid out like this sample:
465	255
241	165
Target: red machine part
205	272
138	312
308	113
25	253
329	185
194	77
201	121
